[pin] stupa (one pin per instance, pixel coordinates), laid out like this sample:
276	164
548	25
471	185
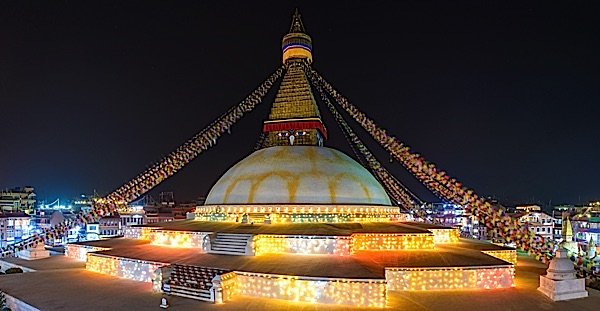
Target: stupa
560	283
294	178
299	221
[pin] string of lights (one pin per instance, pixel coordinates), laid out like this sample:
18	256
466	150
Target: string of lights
393	186
440	183
157	173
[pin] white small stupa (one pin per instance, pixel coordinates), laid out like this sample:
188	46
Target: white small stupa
560	282
36	252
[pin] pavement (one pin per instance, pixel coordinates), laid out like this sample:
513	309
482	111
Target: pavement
72	288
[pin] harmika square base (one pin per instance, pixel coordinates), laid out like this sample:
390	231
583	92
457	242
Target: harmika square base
563	289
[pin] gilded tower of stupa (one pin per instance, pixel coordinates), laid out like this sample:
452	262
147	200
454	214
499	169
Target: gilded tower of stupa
294	118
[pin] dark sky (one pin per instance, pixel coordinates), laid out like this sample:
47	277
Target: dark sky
503	96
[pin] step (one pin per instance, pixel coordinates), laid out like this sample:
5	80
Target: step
233	236
240	235
191	289
240	250
190	293
228	244
207	283
234	239
226	252
240	243
229	249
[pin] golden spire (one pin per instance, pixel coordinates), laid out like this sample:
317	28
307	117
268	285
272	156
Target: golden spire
297	25
567	230
294	118
296	44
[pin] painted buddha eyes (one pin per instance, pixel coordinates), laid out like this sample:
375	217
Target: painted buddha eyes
292	133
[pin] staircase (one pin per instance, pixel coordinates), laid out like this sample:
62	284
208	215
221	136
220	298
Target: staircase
192	282
231	244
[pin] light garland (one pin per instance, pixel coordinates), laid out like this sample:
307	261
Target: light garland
132	269
229	285
391	242
291	213
340	245
393	186
443	185
79	252
360	293
179	239
297	209
449	278
285	244
508	255
136	232
443	236
157	173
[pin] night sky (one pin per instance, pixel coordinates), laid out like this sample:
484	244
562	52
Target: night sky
504	97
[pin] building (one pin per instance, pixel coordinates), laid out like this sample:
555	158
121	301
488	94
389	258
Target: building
181	210
83	203
528	208
110	226
558	227
541	223
132	215
92	231
167	209
14	226
587	235
18	200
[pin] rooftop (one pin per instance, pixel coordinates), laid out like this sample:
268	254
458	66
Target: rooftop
13	215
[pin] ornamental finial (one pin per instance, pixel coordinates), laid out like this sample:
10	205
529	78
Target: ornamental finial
297	25
296	44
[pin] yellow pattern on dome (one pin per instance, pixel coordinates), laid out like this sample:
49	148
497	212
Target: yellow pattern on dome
297	174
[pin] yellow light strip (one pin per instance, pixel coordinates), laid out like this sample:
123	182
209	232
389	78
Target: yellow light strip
280	244
449	278
361	293
79	252
442	236
340	245
297	209
509	255
356	292
133	269
179	239
390	242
